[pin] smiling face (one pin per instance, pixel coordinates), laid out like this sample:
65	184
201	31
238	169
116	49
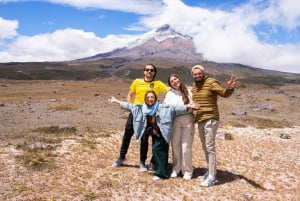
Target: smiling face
150	98
174	82
198	75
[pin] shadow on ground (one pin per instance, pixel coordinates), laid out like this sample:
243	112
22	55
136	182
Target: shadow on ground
226	177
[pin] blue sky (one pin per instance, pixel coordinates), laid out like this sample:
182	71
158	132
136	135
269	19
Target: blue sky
260	33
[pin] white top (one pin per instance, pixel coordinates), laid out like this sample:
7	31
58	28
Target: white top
174	97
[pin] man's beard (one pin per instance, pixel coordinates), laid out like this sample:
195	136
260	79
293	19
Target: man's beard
149	77
198	81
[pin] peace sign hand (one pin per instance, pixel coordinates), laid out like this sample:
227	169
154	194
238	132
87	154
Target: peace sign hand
231	83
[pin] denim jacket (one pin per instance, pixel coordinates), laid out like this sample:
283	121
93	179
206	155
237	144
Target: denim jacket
164	118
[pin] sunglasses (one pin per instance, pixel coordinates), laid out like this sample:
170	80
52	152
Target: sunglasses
149	70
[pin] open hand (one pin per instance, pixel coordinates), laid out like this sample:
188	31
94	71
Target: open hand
194	105
112	99
231	83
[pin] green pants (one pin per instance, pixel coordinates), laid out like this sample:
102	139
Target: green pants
160	151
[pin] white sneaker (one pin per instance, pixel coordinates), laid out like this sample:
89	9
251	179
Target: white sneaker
173	174
143	167
155	178
187	176
203	177
209	181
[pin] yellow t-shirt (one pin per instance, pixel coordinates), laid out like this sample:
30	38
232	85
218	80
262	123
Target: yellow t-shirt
140	87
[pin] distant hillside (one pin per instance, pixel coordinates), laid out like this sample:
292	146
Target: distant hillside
127	69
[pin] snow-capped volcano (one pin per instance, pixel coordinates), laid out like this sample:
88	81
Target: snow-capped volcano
164	42
160	34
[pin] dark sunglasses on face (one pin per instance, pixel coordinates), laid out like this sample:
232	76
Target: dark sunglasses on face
149	70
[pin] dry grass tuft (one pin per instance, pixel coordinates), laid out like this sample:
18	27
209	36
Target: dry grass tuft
63	107
89	196
55	130
36	158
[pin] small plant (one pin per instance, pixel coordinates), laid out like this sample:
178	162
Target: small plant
55	129
2	151
229	136
89	196
37	158
19	187
91	143
89	140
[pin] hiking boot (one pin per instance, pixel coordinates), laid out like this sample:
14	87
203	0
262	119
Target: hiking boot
118	162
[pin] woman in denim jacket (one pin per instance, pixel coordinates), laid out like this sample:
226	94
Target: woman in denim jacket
155	119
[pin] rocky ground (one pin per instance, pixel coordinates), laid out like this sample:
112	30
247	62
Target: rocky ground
58	140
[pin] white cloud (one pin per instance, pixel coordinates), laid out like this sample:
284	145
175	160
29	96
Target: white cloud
8	28
144	7
134	6
284	13
61	45
229	36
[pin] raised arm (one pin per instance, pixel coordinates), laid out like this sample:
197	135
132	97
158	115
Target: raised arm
112	99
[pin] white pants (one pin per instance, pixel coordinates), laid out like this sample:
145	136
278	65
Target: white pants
182	140
207	133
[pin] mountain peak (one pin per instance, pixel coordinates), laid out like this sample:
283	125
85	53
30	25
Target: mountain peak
160	34
163	28
163	42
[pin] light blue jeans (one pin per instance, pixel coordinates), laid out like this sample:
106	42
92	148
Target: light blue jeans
207	132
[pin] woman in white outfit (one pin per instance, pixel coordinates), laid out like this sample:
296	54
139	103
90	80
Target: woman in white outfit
183	128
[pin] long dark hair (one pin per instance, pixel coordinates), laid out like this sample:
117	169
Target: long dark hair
183	89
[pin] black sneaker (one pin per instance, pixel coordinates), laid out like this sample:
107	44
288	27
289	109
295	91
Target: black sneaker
119	161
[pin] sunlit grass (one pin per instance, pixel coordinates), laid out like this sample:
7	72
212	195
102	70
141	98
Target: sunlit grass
38	150
36	158
55	130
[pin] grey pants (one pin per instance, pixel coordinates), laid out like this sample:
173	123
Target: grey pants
207	133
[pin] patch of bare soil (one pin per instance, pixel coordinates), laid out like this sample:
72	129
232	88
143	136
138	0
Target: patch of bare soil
58	140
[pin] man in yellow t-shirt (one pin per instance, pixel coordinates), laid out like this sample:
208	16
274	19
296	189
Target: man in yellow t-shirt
136	94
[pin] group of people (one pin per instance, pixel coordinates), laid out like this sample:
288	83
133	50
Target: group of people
173	121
